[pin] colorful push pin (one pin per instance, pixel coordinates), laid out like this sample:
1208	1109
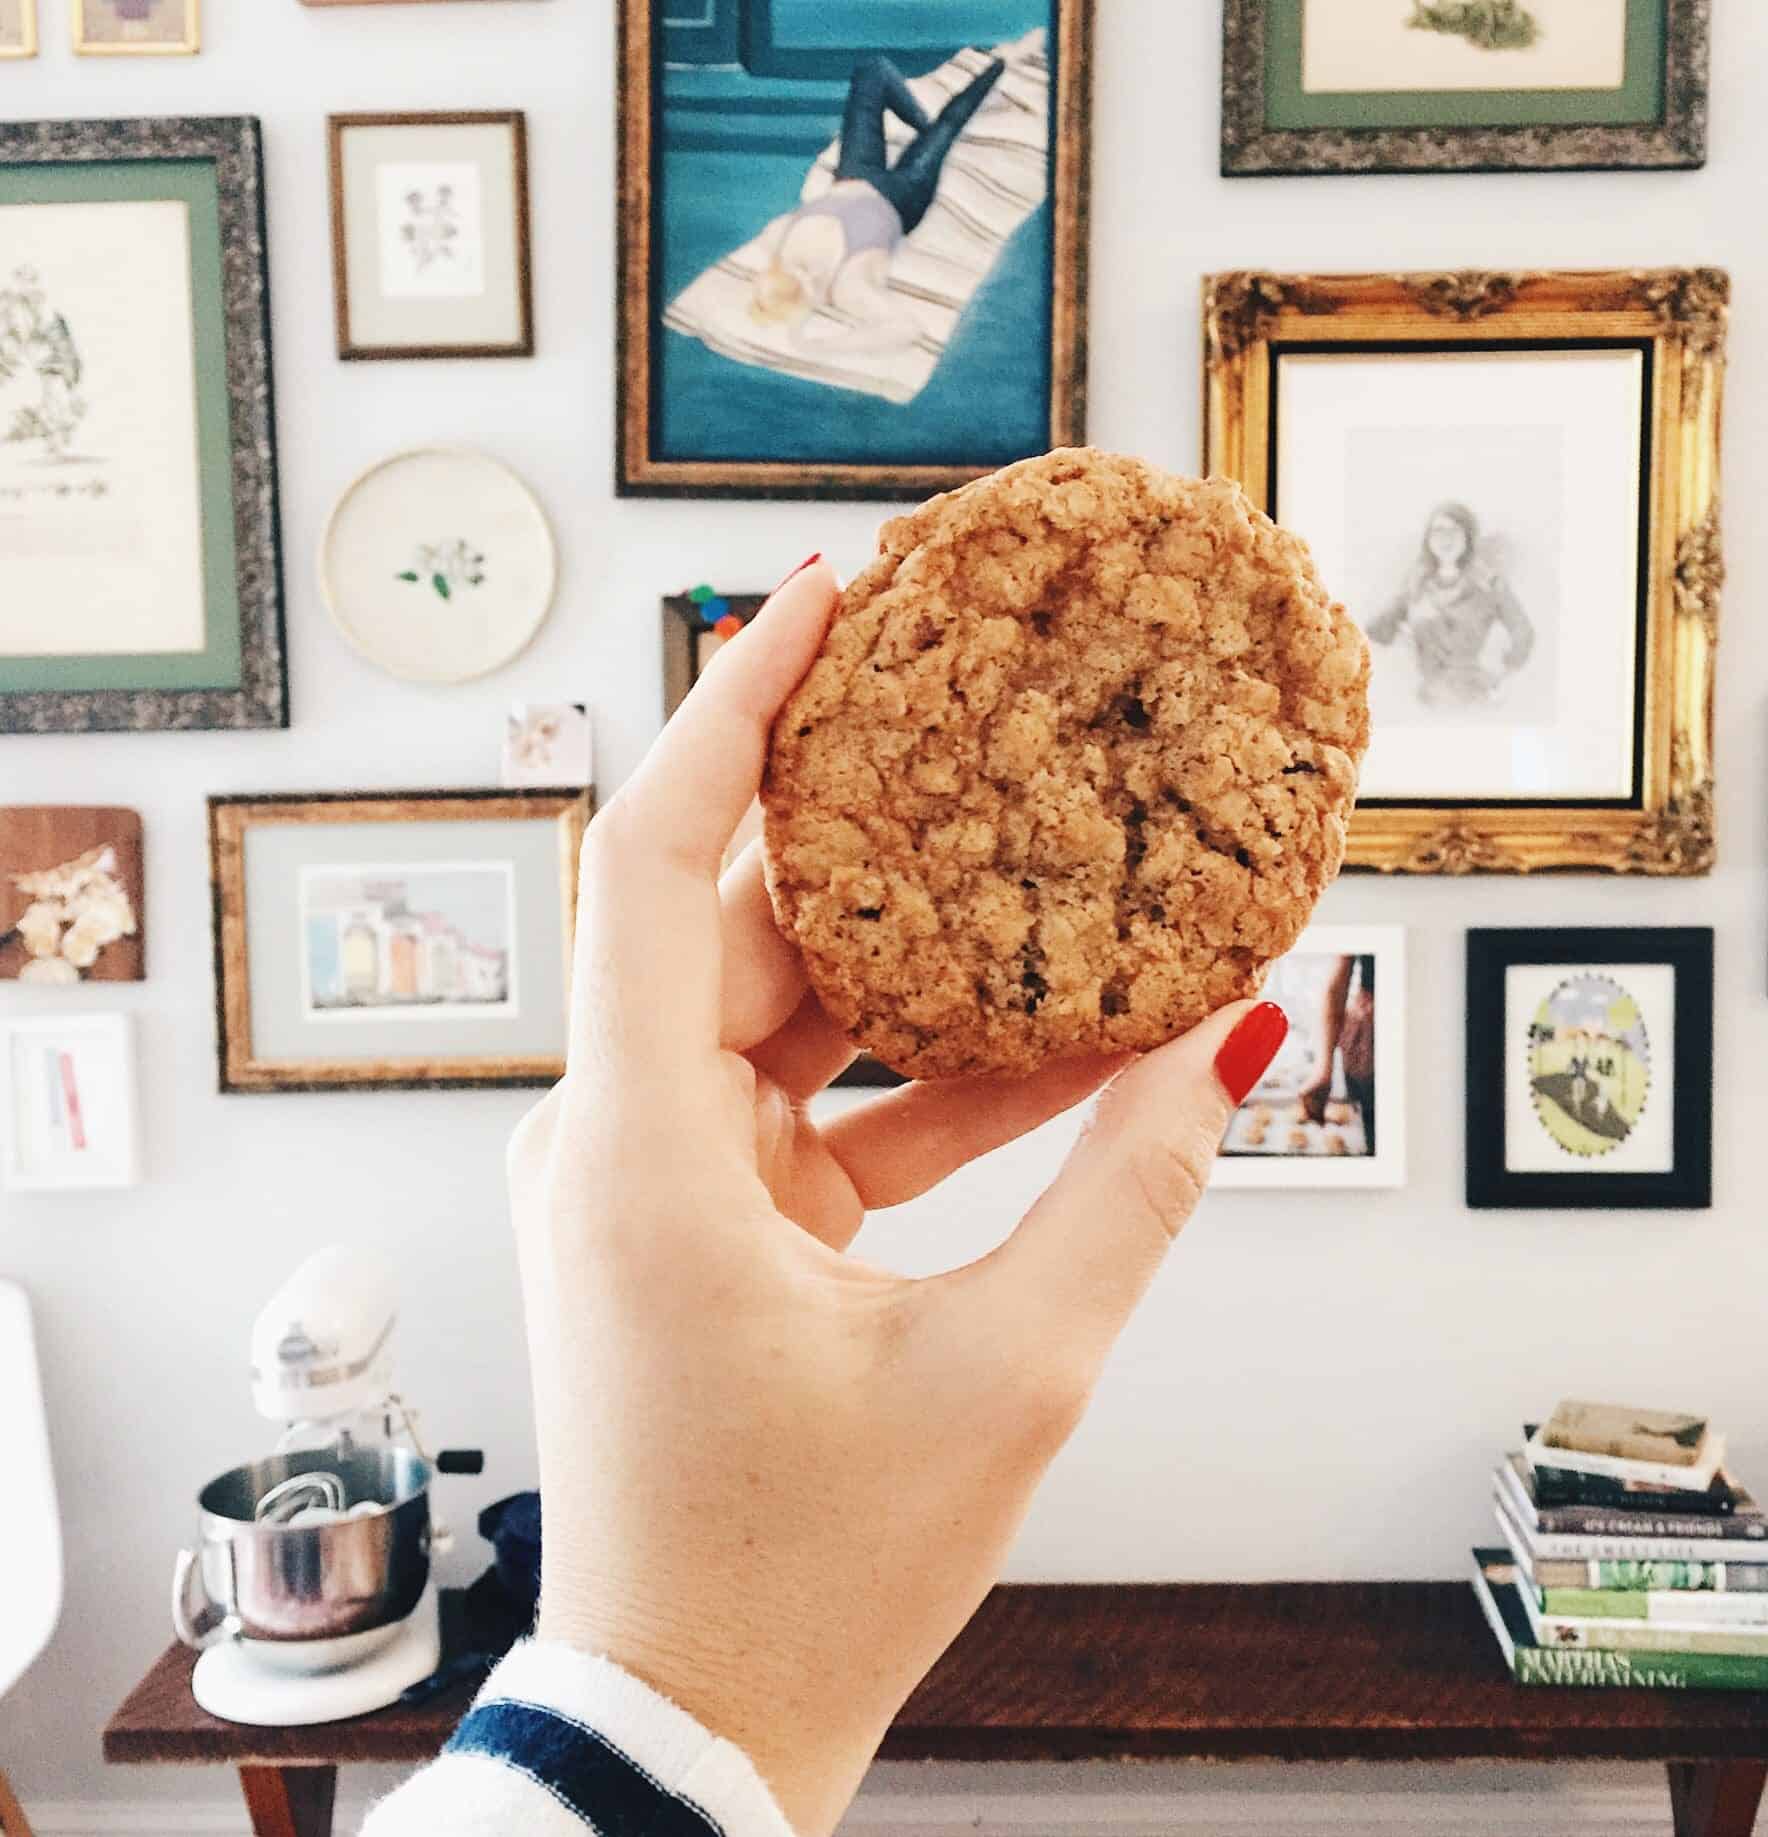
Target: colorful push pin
701	594
728	626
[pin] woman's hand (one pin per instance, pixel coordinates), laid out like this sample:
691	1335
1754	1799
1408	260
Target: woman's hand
777	1479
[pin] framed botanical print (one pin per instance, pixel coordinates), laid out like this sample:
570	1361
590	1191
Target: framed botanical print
18	28
852	243
1511	481
140	558
136	28
1590	1067
1462	85
415	940
430	239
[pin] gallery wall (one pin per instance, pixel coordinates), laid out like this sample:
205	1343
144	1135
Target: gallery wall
1319	1383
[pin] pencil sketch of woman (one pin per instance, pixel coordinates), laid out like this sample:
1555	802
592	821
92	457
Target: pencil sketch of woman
1451	601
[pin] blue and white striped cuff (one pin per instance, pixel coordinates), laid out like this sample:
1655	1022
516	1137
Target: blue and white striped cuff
559	1743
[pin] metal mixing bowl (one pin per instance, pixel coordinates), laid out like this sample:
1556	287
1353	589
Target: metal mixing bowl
326	1581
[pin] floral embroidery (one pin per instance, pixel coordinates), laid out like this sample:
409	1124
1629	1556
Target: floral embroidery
446	566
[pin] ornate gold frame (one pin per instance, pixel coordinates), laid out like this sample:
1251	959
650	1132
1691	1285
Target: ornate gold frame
231	817
1683	312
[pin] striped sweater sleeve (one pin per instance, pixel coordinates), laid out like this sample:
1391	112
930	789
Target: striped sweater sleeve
563	1744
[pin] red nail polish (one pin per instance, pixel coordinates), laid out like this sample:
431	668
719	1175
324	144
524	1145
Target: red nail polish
1250	1048
809	561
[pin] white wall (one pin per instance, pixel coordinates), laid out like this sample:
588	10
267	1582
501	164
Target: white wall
1319	1383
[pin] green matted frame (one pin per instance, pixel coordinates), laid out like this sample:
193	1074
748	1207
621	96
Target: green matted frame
214	167
1271	126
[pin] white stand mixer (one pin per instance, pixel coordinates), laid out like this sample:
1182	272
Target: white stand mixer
309	1590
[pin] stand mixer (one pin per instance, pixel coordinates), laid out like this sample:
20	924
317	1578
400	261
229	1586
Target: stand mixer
308	1591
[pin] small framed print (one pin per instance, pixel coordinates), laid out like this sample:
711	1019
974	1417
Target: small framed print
414	940
1462	85
430	237
18	28
71	909
69	1116
1590	1068
1511	481
547	744
140	545
1330	1110
136	28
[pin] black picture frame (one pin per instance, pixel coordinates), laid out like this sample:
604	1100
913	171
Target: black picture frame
1688	952
256	694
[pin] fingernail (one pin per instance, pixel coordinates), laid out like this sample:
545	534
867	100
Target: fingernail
1250	1048
809	561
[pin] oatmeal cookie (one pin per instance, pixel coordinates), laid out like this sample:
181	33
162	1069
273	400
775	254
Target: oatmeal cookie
1070	771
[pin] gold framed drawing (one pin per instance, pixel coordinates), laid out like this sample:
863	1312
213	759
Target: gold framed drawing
137	28
1512	479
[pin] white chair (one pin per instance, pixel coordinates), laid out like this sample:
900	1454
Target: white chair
30	1530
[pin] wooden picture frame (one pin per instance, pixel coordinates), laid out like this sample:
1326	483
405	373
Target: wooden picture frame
1654	116
1580	1012
1675	319
236	677
689	643
514	264
898	436
543	859
188	43
24	42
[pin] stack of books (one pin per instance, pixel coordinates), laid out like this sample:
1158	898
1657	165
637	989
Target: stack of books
1631	1555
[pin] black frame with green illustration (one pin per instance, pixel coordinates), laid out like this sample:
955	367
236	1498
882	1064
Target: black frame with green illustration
1271	126
215	166
1688	953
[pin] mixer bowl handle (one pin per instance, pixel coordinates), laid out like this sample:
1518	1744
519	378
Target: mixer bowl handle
196	1619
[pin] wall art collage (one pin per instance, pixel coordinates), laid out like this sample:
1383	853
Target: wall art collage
852	264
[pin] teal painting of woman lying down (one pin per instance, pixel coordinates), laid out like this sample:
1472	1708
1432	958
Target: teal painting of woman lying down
853	260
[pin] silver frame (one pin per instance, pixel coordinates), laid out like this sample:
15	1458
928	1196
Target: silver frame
234	144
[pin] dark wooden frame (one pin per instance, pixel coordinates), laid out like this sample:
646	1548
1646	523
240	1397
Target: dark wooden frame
1688	951
517	122
682	627
230	818
638	473
1251	149
234	146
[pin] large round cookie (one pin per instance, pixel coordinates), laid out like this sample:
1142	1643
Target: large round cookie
1070	771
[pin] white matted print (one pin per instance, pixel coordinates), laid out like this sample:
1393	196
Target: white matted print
69	1119
1360	46
548	743
100	489
430	235
1331	1108
431	218
1479	513
410	940
1589	1075
18	28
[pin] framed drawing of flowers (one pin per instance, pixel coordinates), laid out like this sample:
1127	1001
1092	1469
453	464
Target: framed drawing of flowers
430	239
140	558
852	243
1462	85
408	940
1511	481
1590	1067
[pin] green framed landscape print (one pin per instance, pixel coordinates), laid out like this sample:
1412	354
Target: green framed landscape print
140	562
852	243
1315	86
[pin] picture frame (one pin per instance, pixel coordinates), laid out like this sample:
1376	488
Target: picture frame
68	1103
413	940
1416	390
1567	1067
432	249
1330	1110
18	28
185	449
691	638
1336	86
136	28
71	895
743	371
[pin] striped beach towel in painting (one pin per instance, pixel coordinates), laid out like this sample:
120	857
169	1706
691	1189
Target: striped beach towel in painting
993	179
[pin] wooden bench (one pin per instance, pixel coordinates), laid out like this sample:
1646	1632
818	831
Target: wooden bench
1388	1671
